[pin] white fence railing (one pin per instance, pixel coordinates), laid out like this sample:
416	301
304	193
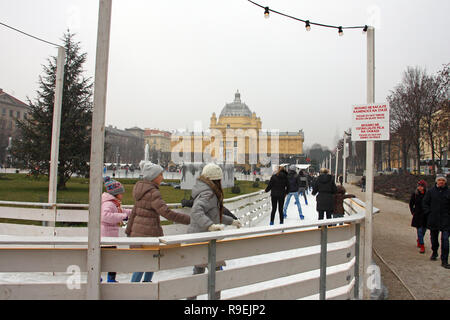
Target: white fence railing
249	208
288	261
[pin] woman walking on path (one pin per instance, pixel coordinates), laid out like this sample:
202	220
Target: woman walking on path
293	185
278	186
325	188
112	213
207	210
303	185
419	219
148	207
436	205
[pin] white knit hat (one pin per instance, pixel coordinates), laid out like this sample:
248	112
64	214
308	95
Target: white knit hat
212	171
150	170
441	176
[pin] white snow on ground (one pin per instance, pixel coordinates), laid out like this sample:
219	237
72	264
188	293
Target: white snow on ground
309	212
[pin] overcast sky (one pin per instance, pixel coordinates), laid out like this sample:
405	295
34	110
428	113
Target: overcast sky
175	62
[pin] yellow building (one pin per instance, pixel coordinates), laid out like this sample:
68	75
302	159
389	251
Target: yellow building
237	136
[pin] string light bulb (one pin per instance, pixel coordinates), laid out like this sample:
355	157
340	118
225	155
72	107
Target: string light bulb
307	26
365	28
266	12
341	33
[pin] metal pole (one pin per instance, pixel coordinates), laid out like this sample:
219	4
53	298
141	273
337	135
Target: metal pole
97	149
329	164
56	126
369	163
212	270
323	263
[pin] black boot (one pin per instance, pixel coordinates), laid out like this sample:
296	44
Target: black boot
445	264
434	256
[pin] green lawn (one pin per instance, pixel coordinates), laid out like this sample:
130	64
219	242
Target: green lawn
19	187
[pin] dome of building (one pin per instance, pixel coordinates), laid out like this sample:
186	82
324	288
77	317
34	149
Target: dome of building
236	108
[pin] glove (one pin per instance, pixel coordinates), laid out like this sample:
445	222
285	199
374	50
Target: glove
126	219
236	223
216	227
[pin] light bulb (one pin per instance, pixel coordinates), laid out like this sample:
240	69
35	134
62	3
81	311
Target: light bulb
365	29
266	12
341	33
307	26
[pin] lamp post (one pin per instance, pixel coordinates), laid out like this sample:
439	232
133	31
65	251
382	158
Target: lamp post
344	158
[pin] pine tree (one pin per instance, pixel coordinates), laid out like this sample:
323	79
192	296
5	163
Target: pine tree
33	144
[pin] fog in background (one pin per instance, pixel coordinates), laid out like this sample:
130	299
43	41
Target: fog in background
175	62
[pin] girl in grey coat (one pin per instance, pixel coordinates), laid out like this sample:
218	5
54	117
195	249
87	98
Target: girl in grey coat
207	210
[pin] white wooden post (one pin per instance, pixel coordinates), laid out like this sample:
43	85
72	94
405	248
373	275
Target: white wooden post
369	165
97	150
56	128
329	163
337	163
344	159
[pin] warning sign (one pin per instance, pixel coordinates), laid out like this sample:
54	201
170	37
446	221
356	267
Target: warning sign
370	122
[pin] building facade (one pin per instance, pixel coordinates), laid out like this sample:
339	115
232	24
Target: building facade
122	146
237	137
159	145
11	109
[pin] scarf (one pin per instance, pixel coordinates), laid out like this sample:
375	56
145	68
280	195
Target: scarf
118	204
217	192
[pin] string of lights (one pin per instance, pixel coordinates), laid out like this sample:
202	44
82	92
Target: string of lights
308	23
29	35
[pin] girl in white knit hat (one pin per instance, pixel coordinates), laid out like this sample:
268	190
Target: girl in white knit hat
207	210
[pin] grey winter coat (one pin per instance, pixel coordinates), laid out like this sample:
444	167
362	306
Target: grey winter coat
205	210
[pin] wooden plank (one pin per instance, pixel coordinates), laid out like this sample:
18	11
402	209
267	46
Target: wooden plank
20	240
65	215
255	273
187	255
27	214
129	260
41	291
129	291
12	229
299	289
41	260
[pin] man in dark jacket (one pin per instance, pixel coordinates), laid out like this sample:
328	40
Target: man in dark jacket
293	185
436	204
303	185
326	188
278	185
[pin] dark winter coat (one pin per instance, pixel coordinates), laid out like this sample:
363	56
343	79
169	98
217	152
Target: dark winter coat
278	185
339	199
419	218
293	181
303	181
144	220
326	188
436	204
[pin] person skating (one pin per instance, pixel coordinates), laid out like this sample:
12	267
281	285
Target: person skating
145	220
419	219
303	185
278	186
436	205
339	197
293	185
112	214
324	187
207	210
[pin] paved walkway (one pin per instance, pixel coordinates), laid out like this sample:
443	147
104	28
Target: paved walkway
405	272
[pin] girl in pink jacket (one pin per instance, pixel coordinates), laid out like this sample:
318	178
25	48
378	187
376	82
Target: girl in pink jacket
113	214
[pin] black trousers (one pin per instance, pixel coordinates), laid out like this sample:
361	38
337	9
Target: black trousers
434	237
277	201
321	213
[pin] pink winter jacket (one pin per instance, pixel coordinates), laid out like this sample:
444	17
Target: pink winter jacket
111	217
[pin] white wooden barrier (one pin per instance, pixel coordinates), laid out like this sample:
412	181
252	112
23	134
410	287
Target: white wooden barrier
250	208
284	276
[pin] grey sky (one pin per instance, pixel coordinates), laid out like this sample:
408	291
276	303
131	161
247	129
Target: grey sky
175	62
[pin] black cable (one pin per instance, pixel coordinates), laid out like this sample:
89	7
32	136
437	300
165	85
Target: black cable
310	22
29	35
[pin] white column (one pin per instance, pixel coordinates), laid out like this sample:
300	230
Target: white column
97	150
337	163
344	159
56	128
329	164
369	165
